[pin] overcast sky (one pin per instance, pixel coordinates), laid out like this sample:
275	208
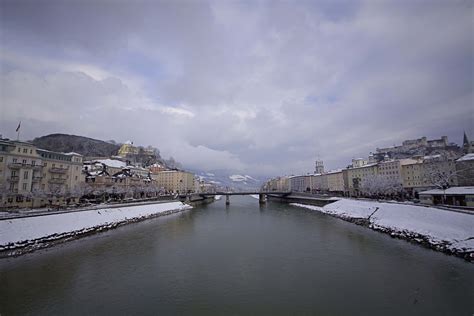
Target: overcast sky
259	87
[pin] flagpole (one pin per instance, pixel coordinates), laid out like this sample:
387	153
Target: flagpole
18	131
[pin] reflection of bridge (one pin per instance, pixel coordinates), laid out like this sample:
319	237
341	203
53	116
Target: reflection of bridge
261	195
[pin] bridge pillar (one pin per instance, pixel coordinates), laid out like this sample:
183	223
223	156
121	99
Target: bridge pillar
262	199
227	200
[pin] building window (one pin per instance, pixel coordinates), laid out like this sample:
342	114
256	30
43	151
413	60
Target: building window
13	173
23	161
1	159
25	150
19	149
19	198
14	160
25	175
24	186
45	164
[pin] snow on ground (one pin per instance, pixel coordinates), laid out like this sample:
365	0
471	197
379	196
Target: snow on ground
31	228
439	226
217	197
466	157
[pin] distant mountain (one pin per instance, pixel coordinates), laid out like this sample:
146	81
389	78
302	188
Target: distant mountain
227	179
82	145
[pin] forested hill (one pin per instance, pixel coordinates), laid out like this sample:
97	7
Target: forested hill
79	144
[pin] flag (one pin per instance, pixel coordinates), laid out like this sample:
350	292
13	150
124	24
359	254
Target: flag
18	128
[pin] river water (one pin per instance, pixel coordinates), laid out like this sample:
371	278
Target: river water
242	259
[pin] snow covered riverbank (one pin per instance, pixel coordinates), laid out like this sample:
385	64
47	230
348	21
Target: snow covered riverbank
21	235
442	230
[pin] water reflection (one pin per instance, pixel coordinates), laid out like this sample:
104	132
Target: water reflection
241	259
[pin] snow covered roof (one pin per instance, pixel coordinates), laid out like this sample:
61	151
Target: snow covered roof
466	157
112	163
365	166
334	171
432	157
450	191
157	165
72	154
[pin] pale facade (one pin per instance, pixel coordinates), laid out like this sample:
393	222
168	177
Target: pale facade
335	181
277	184
20	173
32	177
175	181
422	175
300	183
465	170
353	177
319	183
391	170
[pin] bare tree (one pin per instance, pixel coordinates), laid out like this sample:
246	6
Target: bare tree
441	176
4	190
379	185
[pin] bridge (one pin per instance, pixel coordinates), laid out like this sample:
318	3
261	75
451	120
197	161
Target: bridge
261	195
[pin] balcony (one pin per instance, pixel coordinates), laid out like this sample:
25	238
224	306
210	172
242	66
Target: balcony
37	179
13	179
58	170
15	165
57	180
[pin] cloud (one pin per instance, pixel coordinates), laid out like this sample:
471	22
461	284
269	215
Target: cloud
260	87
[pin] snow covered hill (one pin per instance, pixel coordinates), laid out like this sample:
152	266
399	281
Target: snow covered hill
227	179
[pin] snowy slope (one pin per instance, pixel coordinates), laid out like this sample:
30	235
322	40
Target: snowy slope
32	228
453	230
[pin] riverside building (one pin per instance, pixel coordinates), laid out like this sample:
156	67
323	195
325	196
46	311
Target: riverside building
32	177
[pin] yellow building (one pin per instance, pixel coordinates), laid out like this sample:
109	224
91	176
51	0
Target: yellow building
127	149
176	181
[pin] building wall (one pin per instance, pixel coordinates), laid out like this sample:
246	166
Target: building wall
300	183
465	172
356	176
175	181
20	173
335	182
319	183
28	175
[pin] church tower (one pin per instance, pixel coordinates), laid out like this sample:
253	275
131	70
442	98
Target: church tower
319	167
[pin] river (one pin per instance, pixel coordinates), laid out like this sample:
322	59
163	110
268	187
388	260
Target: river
241	259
